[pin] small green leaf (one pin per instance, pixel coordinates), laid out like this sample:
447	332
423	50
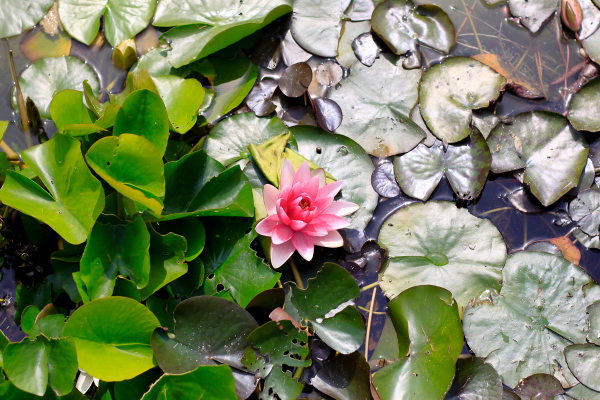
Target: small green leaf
183	99
583	104
71	116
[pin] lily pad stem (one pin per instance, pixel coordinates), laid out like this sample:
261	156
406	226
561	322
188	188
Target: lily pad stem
299	370
369	324
120	205
296	274
372	285
129	207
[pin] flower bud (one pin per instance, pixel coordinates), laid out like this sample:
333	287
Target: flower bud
571	14
125	54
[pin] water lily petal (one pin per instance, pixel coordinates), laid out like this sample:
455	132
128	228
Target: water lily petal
313	229
330	190
265	227
332	221
297	225
280	207
341	208
311	188
319	173
304	244
332	240
270	195
280	253
281	233
322	203
303	174
287	174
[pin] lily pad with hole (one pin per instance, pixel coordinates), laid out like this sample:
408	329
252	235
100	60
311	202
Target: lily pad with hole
451	90
75	197
475	380
551	151
112	336
437	243
47	76
465	164
402	26
208	331
203	27
17	16
540	309
426	321
345	377
123	19
539	386
584	107
376	103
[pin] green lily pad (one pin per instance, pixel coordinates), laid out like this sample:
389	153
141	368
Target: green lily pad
475	380
143	113
539	311
451	90
585	211
594	318
551	151
345	377
592	46
426	320
579	392
350	31
208	331
210	191
344	159
31	365
584	106
583	361
47	76
76	198
115	247
204	27
123	19
533	14
376	103
210	382
539	386
18	16
192	230
136	387
466	165
402	26
71	116
112	336
317	26
233	135
183	99
437	243
133	166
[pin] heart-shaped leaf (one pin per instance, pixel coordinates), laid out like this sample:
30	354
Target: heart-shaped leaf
296	79
384	181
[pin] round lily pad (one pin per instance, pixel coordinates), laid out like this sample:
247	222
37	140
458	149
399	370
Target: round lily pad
47	76
437	243
465	164
296	79
376	103
539	386
450	91
551	151
585	106
540	310
317	25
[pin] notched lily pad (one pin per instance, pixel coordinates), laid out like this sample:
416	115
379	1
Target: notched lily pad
317	25
539	387
384	181
296	79
329	73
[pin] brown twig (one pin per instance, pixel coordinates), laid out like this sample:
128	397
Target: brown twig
20	100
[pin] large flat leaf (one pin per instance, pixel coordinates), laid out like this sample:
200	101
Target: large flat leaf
71	116
115	247
583	108
345	377
75	197
551	151
346	161
112	336
17	16
204	26
133	166
437	243
429	338
475	380
47	76
376	103
540	310
583	361
183	98
317	25
123	19
466	165
450	91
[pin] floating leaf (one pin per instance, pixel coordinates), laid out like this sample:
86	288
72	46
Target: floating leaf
384	181
539	311
123	19
580	392
592	46
450	91
585	211
133	166
583	361
351	30
76	198
296	79
583	105
465	164
183	99
426	320
329	73
18	16
539	386
376	103
47	76
115	247
328	112
437	243
112	336
71	116
366	49
345	377
136	387
475	380
402	26
316	26
259	99
193	232
552	153
204	27
532	15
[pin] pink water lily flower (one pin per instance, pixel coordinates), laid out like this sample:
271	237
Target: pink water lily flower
302	214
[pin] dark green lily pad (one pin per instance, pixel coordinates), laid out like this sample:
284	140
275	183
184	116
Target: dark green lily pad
583	110
346	377
451	90
539	387
551	151
203	27
402	26
533	14
466	165
539	311
192	230
76	198
585	211
439	244
426	321
583	361
114	247
47	76
18	16
475	380
376	103
208	331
